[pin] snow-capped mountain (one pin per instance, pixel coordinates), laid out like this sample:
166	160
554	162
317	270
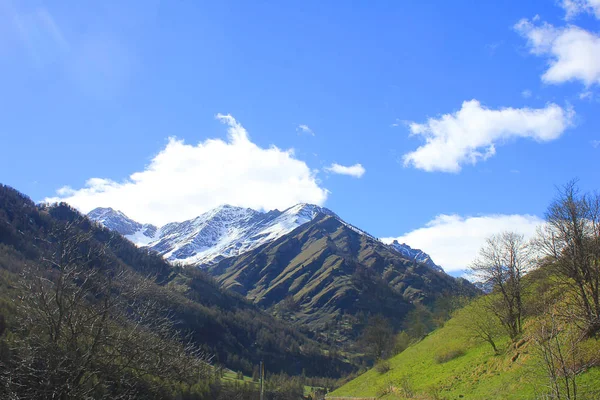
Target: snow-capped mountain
223	232
140	234
226	231
415	255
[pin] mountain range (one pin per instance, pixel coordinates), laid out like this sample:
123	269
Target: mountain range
227	231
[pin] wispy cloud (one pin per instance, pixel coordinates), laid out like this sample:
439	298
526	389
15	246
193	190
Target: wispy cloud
595	143
472	134
96	62
453	241
305	129
184	180
526	93
356	170
37	31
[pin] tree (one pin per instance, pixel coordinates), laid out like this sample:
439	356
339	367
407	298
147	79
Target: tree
401	342
86	329
570	241
483	324
377	337
558	347
502	262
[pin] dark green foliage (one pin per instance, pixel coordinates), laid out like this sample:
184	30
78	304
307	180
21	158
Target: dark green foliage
377	338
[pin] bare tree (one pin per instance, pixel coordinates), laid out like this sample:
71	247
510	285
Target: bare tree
85	332
502	262
570	241
483	324
558	347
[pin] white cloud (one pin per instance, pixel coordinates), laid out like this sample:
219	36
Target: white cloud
184	180
453	241
595	143
356	170
305	129
526	93
573	52
472	133
576	7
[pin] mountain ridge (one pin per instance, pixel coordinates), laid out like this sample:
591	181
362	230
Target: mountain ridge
228	231
328	277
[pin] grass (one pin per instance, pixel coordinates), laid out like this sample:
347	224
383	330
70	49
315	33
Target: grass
450	364
231	376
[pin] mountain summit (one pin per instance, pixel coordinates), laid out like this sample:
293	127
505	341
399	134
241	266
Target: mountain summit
228	231
222	232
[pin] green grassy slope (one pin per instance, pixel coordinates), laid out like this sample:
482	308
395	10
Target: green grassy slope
478	374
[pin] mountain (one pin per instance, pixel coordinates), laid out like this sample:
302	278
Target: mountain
237	333
140	234
415	255
225	231
329	277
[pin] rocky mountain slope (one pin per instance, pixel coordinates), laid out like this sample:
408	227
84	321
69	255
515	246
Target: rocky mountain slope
227	231
329	276
415	254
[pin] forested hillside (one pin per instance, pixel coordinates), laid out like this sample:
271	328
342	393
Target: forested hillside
81	307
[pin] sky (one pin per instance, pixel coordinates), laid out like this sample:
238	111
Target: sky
431	122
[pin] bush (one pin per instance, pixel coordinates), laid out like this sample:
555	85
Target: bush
401	342
448	355
383	366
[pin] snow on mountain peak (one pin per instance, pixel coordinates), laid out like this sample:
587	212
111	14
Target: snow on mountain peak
415	255
224	231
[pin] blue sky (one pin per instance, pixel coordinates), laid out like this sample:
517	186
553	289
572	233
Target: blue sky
435	122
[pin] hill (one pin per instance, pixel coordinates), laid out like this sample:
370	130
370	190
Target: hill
229	328
454	362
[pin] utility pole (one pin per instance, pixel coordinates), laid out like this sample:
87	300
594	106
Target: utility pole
262	381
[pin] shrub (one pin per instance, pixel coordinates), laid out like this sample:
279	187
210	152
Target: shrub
383	366
448	355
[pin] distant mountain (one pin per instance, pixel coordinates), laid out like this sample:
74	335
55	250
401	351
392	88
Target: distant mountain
328	276
415	254
139	234
225	231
